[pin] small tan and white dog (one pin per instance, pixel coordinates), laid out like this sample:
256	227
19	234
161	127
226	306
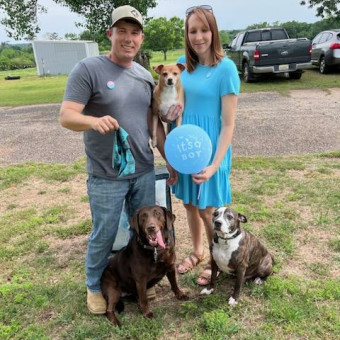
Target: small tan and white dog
167	92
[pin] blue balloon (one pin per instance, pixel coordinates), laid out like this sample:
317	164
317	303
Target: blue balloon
188	149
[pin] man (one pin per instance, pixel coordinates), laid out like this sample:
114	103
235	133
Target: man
105	94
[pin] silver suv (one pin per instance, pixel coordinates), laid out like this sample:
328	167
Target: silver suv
326	50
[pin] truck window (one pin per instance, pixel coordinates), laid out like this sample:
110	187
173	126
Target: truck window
237	41
233	43
317	39
266	35
324	37
278	35
253	36
330	36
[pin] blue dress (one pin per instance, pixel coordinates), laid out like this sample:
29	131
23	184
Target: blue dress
203	89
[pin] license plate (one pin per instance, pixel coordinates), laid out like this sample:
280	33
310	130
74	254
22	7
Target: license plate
284	67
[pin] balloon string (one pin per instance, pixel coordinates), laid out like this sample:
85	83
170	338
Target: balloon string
199	192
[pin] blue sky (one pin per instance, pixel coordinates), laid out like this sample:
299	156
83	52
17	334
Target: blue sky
230	14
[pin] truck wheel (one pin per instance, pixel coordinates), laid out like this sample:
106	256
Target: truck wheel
323	67
246	74
295	75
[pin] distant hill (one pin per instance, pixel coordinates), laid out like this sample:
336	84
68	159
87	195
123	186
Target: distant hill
21	45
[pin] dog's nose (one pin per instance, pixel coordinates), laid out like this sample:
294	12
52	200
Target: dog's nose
217	225
170	81
151	228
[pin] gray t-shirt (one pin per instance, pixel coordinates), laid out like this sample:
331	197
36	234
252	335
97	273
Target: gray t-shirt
106	88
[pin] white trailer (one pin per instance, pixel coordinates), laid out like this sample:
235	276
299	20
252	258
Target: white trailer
54	57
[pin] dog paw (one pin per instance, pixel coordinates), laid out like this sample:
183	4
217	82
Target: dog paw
182	296
112	318
149	315
258	281
232	301
206	291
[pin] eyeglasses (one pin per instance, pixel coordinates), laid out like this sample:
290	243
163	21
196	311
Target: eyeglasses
190	9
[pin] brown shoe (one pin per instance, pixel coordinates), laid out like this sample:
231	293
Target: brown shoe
190	262
96	303
151	293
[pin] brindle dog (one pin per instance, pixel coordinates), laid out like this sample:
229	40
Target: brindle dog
235	250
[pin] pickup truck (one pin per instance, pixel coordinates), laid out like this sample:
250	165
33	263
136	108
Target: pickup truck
269	50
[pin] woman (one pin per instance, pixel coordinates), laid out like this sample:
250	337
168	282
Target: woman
211	85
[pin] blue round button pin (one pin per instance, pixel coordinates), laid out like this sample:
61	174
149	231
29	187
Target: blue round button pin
110	84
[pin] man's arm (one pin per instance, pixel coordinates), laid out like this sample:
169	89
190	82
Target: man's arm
71	117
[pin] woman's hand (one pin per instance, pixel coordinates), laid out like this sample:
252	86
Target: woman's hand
172	114
204	175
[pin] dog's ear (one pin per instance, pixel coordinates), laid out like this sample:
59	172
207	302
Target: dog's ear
134	222
158	69
169	218
181	67
242	218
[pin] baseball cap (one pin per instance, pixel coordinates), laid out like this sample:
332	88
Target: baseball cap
127	12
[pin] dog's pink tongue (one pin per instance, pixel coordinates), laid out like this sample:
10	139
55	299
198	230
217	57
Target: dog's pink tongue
160	239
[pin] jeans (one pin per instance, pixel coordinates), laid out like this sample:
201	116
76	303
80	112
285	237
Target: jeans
106	199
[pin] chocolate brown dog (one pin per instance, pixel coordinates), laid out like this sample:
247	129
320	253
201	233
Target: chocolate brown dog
235	250
148	257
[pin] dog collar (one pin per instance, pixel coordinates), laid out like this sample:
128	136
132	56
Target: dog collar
155	249
216	237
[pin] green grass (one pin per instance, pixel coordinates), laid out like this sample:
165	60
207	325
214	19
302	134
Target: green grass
28	72
43	246
311	79
171	57
33	89
18	173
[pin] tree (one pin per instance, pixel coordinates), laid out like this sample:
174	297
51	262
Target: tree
101	38
52	36
21	17
225	37
298	29
324	8
262	25
3	46
71	36
164	35
15	57
324	25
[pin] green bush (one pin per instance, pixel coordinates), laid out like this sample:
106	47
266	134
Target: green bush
14	58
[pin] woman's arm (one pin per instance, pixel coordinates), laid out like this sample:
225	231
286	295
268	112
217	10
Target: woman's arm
229	104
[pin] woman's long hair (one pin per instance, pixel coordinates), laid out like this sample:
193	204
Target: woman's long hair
208	19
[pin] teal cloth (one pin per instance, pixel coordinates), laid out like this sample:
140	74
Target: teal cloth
122	159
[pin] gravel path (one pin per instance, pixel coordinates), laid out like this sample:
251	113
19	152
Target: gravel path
267	123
